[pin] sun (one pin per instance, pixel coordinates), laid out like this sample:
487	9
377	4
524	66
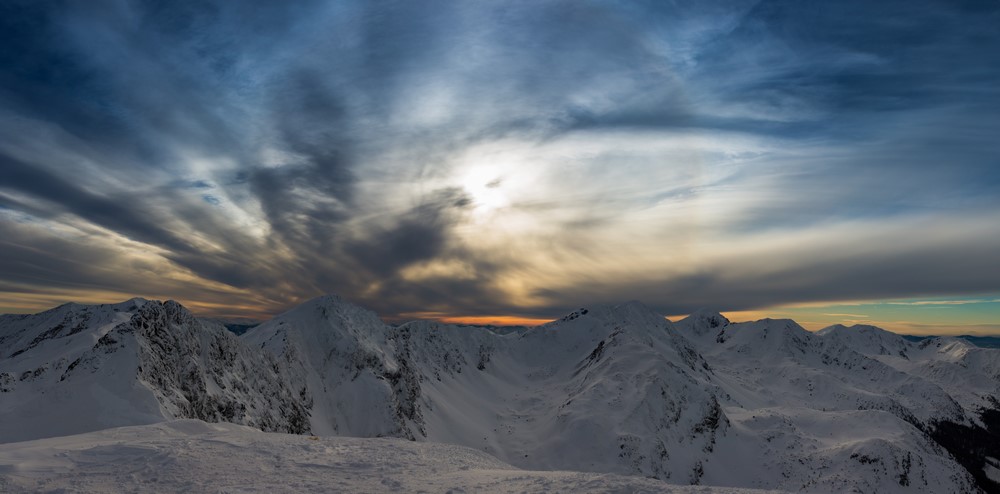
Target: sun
485	186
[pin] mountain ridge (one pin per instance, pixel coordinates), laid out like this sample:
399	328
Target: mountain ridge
612	388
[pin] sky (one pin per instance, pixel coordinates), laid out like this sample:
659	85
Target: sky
506	161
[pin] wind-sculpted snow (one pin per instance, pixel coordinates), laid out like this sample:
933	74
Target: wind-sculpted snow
616	389
192	456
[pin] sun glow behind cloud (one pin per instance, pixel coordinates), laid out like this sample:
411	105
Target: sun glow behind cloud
484	185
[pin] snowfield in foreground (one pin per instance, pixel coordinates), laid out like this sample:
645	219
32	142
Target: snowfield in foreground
194	456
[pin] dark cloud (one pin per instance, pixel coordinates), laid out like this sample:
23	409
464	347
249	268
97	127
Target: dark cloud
116	215
193	184
36	261
417	235
289	149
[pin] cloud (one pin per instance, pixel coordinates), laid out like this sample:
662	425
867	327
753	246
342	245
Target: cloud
193	184
419	235
859	260
945	302
729	154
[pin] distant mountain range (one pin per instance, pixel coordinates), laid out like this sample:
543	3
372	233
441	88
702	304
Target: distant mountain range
980	341
616	389
237	325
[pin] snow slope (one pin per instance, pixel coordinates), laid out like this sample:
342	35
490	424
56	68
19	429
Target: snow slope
970	374
190	455
818	416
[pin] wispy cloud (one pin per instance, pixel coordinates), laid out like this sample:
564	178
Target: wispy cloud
946	302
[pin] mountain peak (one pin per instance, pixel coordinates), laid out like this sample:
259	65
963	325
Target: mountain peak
124	306
867	339
702	322
860	328
137	301
632	311
321	322
714	318
857	330
346	308
329	299
636	310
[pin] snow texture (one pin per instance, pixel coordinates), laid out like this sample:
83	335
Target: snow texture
190	455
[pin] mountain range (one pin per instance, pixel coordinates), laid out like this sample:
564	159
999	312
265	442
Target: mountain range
614	389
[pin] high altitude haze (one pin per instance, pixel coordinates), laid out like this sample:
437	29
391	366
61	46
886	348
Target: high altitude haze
515	159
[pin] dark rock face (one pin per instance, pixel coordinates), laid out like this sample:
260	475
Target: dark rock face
404	382
972	445
6	382
209	374
203	372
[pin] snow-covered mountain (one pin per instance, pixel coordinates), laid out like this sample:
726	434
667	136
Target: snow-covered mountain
615	389
970	374
80	368
850	421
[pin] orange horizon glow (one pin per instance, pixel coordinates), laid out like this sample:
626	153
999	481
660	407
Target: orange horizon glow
734	316
915	317
494	320
804	320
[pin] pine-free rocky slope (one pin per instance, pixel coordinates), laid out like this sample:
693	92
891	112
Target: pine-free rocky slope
615	389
